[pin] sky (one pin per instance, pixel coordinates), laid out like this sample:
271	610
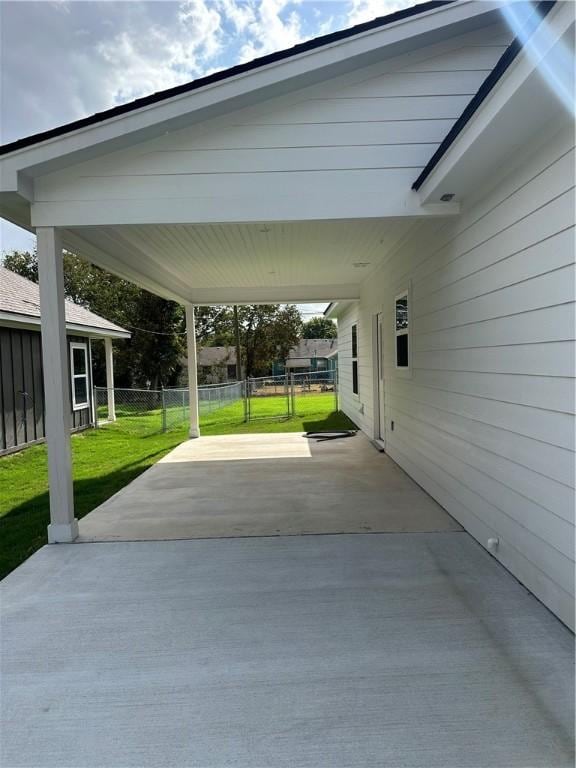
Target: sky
64	59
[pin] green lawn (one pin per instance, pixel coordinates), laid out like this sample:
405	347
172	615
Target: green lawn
106	459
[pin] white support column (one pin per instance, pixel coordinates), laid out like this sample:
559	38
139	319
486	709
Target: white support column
110	378
63	525
192	371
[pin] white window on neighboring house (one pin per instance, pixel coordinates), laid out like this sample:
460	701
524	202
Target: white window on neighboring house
402	330
355	359
79	374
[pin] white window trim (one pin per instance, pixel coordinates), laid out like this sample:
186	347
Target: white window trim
404	369
353	360
73	376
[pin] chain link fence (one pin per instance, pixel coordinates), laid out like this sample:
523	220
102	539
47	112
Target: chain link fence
213	397
147	411
268	397
315	389
135	410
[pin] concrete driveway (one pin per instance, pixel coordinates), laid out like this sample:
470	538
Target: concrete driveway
267	485
343	651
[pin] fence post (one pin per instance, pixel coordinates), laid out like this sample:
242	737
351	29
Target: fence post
164	425
246	418
95	406
292	394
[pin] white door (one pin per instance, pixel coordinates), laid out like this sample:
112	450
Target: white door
381	416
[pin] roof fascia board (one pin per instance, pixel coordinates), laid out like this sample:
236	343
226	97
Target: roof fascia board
234	92
15	320
336	308
521	68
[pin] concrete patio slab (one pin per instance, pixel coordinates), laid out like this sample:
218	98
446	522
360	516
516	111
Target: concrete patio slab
266	485
411	650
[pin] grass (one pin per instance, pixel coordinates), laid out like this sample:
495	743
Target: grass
314	412
107	459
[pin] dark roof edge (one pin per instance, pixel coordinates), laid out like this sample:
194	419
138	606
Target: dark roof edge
329	307
541	10
224	74
23	318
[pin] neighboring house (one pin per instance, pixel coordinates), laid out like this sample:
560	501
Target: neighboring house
22	417
307	356
216	364
418	169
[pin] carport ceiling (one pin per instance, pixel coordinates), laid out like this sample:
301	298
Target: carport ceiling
218	263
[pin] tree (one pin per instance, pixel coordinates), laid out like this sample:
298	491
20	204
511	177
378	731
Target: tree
319	328
214	326
267	333
154	351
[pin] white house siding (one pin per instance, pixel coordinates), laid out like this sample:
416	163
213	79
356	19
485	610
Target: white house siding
370	131
484	421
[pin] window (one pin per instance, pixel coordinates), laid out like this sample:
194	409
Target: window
355	359
79	374
402	321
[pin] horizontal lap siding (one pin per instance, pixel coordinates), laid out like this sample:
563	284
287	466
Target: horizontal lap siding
367	134
485	419
358	407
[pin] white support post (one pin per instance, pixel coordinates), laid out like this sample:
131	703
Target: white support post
63	525
110	378
194	430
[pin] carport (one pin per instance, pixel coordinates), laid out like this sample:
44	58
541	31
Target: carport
190	628
229	189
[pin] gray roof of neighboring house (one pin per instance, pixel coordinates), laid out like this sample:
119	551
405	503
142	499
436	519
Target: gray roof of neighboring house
20	300
216	356
309	348
304	350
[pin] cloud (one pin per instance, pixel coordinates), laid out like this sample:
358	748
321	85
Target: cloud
64	59
366	10
275	25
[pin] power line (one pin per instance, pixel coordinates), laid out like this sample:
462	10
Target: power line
156	333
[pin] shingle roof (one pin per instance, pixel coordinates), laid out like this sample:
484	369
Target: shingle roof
216	355
304	350
19	296
309	348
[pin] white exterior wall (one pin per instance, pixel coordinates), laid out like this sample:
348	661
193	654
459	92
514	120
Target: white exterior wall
370	131
484	420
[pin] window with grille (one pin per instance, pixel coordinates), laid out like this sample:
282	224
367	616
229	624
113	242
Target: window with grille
79	374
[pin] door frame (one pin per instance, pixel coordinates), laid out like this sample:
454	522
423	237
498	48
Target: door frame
378	386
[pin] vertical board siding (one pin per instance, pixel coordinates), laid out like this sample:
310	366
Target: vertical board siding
22	389
8	401
484	420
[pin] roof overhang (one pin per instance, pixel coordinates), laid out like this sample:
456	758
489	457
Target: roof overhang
123	127
30	322
336	308
521	107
